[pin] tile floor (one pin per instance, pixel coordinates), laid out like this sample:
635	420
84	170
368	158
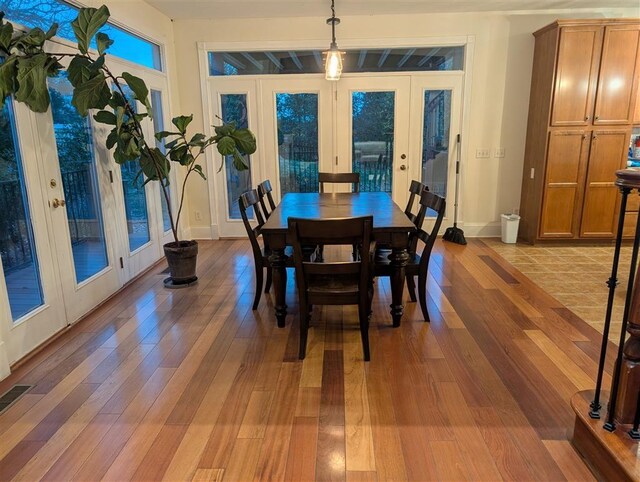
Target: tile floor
575	276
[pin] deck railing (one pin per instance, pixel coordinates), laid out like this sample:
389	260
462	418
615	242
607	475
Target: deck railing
15	238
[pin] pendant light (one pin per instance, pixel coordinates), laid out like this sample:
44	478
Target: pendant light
333	62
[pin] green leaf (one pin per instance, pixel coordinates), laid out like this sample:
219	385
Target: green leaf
162	134
79	71
181	122
106	117
33	38
226	146
198	169
6	34
239	161
51	32
32	82
92	94
8	71
154	164
104	42
116	100
245	141
112	139
89	21
139	88
225	129
197	139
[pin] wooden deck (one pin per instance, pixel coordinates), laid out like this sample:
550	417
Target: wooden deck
192	385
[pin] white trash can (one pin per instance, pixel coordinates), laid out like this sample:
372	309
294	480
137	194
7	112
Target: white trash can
510	223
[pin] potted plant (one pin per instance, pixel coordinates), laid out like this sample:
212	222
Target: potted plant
24	68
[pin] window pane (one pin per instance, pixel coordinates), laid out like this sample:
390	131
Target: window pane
234	108
79	180
298	142
435	141
17	247
412	59
42	13
372	139
135	199
158	125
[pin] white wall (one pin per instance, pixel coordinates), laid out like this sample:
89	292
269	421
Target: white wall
501	76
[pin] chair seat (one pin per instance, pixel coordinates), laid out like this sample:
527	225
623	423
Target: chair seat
330	290
288	251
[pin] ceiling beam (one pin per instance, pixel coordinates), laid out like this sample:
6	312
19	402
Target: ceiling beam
250	58
361	57
275	60
383	57
406	57
295	59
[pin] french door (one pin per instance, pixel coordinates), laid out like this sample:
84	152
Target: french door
74	227
390	129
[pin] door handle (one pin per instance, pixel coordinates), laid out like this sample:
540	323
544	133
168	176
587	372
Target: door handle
403	167
56	203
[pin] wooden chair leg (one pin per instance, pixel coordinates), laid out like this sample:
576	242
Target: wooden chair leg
304	329
422	294
411	286
267	285
259	277
363	315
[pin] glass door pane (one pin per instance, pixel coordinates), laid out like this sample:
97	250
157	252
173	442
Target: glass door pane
158	125
135	198
373	119
234	109
297	117
435	140
17	246
79	180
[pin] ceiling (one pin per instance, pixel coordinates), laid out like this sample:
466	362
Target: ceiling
181	9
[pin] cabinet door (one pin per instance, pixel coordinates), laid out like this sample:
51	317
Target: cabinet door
564	183
608	153
636	116
576	75
618	80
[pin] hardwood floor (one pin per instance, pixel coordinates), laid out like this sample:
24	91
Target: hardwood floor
193	385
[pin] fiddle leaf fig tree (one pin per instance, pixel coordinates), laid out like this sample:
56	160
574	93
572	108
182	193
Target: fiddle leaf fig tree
25	65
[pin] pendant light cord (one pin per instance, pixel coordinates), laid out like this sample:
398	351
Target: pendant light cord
333	23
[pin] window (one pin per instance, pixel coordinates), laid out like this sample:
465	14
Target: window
158	125
361	60
43	13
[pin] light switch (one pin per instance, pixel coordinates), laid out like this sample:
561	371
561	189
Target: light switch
499	152
483	153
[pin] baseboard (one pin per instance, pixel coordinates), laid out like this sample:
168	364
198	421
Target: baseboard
5	371
203	232
480	230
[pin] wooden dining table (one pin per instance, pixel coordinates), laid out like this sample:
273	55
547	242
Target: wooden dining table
390	226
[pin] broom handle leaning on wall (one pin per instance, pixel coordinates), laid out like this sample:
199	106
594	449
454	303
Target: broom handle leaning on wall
455	203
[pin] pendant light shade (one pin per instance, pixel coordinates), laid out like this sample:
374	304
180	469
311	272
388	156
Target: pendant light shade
333	62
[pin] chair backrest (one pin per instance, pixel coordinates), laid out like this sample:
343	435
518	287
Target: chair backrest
250	199
343	231
430	200
264	190
340	178
415	191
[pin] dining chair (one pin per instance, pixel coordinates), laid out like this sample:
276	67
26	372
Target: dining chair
418	264
415	191
352	178
264	191
333	283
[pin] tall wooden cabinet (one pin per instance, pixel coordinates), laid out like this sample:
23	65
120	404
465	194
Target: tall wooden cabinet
582	106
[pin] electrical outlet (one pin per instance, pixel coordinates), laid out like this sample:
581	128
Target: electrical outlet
483	153
499	152
198	216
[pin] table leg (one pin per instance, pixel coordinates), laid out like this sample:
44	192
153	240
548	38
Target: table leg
399	258
279	262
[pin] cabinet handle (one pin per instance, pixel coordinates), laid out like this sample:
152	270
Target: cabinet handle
586	117
584	136
595	137
597	117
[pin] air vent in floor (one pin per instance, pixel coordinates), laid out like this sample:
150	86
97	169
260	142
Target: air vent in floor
9	397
